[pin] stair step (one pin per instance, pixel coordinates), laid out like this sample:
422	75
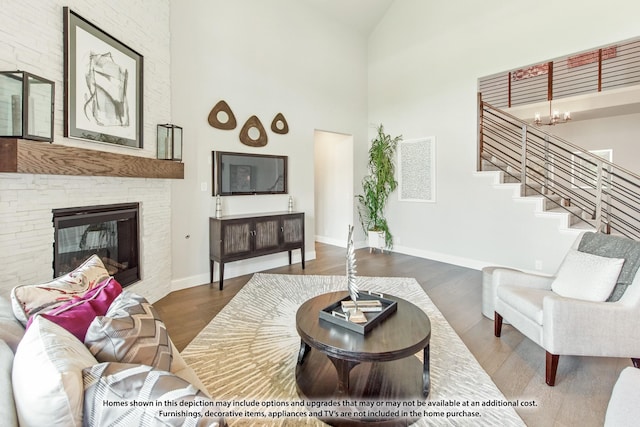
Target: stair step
533	190
552	202
577	216
510	179
492	162
493	165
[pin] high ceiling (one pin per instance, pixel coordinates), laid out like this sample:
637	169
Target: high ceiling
363	15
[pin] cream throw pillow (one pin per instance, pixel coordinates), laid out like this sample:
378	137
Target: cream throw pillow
587	277
28	300
47	376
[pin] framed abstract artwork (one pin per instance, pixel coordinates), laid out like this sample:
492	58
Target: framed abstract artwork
103	85
417	170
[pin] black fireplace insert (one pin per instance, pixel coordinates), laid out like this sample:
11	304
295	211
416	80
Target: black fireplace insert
109	231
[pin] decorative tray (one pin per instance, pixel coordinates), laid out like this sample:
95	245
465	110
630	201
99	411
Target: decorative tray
335	314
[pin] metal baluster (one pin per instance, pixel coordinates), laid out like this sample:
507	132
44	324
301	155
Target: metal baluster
599	196
523	167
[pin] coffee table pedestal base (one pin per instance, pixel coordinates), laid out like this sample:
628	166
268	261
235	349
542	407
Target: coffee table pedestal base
398	380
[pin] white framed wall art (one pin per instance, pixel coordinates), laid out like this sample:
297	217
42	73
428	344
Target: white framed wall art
417	170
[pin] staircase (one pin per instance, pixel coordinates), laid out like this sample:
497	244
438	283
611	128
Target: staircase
594	193
550	203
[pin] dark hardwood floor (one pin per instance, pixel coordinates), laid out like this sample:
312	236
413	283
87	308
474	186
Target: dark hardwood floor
516	364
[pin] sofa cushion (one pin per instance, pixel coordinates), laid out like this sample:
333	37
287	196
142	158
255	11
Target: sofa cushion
586	276
11	331
47	376
28	300
110	389
7	405
130	332
77	314
527	301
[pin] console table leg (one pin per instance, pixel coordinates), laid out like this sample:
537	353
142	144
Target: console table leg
343	368
426	375
289	257
211	273
221	275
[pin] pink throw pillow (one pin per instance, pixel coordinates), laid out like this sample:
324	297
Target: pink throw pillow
76	315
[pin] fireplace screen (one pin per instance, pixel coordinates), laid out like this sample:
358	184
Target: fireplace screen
110	231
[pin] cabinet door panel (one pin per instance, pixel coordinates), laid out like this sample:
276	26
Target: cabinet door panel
293	230
236	238
266	234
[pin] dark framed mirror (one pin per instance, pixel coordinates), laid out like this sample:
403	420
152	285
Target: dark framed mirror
241	174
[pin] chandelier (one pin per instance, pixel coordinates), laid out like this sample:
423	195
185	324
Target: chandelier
554	117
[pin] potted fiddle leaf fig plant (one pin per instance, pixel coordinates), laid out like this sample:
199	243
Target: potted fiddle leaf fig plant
377	185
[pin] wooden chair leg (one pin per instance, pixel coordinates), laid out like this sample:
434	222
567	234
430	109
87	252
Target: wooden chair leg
636	362
552	368
497	324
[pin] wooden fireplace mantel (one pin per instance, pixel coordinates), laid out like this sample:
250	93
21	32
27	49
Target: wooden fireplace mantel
22	156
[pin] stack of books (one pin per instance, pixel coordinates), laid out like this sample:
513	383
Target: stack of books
368	305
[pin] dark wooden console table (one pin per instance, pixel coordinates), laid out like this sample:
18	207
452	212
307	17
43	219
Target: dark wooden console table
237	237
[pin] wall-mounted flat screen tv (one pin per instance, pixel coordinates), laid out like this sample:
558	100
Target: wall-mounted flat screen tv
241	174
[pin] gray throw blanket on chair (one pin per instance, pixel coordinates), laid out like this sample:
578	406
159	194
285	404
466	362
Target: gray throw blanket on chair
610	246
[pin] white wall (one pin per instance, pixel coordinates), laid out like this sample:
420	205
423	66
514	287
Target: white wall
619	133
424	62
262	58
334	199
31	39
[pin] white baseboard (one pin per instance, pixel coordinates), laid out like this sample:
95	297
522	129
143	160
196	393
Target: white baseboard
441	257
189	282
332	241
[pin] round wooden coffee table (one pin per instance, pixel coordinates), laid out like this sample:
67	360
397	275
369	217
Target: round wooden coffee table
337	363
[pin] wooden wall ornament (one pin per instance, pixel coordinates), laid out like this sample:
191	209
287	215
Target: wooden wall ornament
279	124
245	138
214	121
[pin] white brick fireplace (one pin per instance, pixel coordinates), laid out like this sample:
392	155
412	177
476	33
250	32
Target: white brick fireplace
32	40
26	228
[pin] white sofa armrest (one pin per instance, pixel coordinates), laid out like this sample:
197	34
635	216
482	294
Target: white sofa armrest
623	409
587	328
520	278
7	404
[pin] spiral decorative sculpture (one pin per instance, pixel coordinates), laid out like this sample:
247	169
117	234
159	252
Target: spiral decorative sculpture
352	287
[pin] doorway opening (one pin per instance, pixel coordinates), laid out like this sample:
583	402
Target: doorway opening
334	197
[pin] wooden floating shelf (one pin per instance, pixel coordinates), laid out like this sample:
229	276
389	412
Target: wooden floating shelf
34	157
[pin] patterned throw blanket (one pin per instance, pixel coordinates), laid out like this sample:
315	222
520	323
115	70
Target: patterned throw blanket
610	246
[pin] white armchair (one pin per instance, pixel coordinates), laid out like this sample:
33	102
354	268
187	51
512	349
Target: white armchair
575	326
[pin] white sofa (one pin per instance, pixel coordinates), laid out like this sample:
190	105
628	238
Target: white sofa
11	332
48	376
623	409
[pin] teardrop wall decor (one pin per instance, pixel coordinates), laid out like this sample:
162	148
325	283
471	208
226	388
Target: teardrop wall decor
214	121
245	138
279	124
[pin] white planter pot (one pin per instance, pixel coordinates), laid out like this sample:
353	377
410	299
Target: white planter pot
376	240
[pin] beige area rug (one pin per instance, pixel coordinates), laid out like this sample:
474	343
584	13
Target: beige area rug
247	355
